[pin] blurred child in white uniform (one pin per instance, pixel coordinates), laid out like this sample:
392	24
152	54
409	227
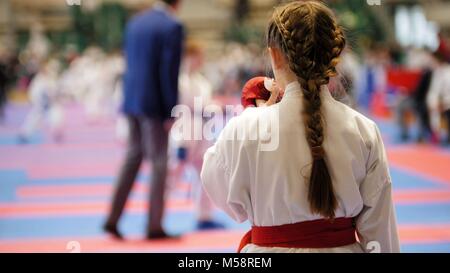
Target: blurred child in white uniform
43	95
187	150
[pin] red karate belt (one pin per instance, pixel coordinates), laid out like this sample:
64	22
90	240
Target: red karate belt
322	233
254	90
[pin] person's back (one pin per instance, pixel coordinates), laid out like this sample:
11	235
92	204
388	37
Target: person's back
314	172
153	53
278	179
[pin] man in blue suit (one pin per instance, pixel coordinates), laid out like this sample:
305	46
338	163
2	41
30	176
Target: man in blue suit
153	48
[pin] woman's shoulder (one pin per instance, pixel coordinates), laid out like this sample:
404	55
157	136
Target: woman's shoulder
247	124
353	119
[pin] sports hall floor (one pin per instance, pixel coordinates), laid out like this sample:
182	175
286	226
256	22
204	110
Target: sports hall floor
52	194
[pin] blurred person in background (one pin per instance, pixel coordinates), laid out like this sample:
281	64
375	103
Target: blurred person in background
92	80
96	85
438	97
81	77
43	96
373	75
35	53
118	60
38	45
106	73
9	65
234	68
343	87
416	101
3	82
189	151
153	48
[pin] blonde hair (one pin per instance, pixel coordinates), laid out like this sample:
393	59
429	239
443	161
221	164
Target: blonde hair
193	48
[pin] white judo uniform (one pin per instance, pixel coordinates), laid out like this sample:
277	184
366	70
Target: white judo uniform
270	188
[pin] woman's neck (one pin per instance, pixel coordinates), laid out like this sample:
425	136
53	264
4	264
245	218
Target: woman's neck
284	79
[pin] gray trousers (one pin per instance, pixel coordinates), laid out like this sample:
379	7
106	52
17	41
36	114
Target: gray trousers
147	139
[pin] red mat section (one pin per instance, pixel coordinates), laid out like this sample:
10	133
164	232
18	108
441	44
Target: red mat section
422	159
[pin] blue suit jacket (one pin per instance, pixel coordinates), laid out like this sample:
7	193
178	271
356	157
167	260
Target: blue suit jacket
153	46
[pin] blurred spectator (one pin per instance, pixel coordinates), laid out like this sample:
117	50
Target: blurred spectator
241	10
416	101
373	74
343	87
237	65
38	46
420	106
8	75
3	82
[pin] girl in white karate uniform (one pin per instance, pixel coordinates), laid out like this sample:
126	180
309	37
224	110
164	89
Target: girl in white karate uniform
316	178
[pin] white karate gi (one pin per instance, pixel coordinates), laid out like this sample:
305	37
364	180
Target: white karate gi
269	188
44	103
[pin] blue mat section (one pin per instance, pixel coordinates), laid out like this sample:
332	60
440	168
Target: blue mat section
404	180
12	140
423	213
81	226
9	181
426	248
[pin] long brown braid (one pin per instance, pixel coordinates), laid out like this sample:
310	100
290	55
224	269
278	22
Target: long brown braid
312	41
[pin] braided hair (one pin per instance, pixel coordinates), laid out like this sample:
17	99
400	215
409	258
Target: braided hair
308	35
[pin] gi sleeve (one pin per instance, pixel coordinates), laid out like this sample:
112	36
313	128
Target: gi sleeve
376	224
224	177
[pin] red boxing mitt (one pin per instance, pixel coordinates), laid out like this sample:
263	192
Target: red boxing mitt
253	90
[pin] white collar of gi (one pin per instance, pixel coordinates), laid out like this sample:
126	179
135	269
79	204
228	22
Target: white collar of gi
293	89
